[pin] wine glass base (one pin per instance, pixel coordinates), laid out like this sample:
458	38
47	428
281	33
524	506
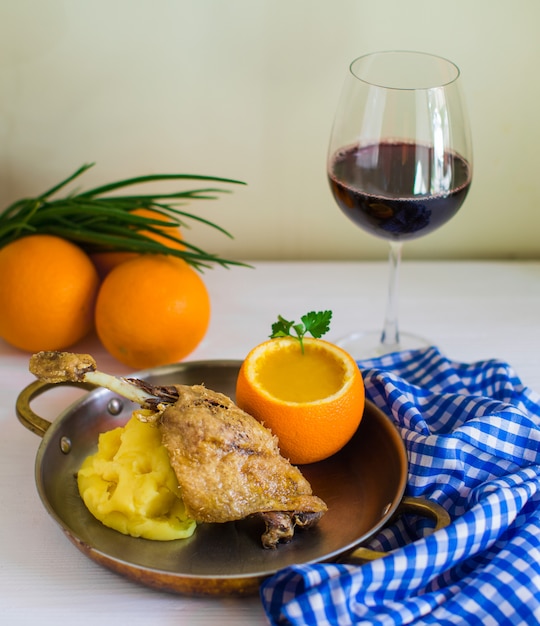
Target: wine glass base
368	345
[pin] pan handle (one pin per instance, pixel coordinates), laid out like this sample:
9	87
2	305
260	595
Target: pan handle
418	506
26	415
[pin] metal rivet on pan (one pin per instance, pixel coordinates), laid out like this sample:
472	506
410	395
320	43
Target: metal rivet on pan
65	445
115	406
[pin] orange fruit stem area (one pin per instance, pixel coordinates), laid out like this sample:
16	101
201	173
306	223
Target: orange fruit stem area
313	401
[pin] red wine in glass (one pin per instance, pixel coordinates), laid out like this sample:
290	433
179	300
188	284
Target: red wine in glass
391	200
399	163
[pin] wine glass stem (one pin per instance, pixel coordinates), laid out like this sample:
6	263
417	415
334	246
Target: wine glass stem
390	333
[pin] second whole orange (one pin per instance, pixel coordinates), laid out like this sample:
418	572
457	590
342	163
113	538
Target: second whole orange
312	399
152	310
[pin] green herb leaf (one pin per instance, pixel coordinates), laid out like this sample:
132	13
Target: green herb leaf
317	323
97	221
281	328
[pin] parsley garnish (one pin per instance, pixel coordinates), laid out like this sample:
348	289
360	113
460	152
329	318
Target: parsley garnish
317	323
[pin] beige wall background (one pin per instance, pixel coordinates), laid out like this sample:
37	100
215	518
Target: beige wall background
247	89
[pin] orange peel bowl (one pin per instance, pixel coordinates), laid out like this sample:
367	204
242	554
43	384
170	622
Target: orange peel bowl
313	401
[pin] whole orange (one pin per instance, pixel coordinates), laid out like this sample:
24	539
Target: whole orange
105	261
48	288
312	400
152	310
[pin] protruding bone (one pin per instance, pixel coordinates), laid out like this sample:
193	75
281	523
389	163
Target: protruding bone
58	367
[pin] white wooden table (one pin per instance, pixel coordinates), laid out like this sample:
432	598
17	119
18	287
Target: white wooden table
470	310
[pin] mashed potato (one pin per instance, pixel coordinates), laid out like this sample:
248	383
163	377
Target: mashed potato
129	485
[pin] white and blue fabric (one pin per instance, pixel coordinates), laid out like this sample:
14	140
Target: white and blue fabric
472	433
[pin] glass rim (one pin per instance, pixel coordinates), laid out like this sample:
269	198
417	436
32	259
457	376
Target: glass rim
403	53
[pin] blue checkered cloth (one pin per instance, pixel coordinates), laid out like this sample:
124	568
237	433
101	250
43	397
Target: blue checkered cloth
472	433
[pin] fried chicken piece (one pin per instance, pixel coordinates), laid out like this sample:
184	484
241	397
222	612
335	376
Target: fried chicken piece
227	463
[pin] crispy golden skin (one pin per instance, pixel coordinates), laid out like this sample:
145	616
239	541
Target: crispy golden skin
229	467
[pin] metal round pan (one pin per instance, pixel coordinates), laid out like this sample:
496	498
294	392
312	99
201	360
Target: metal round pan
363	486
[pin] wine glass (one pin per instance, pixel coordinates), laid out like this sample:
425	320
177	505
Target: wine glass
399	163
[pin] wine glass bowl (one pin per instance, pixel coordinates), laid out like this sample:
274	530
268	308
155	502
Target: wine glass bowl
399	161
